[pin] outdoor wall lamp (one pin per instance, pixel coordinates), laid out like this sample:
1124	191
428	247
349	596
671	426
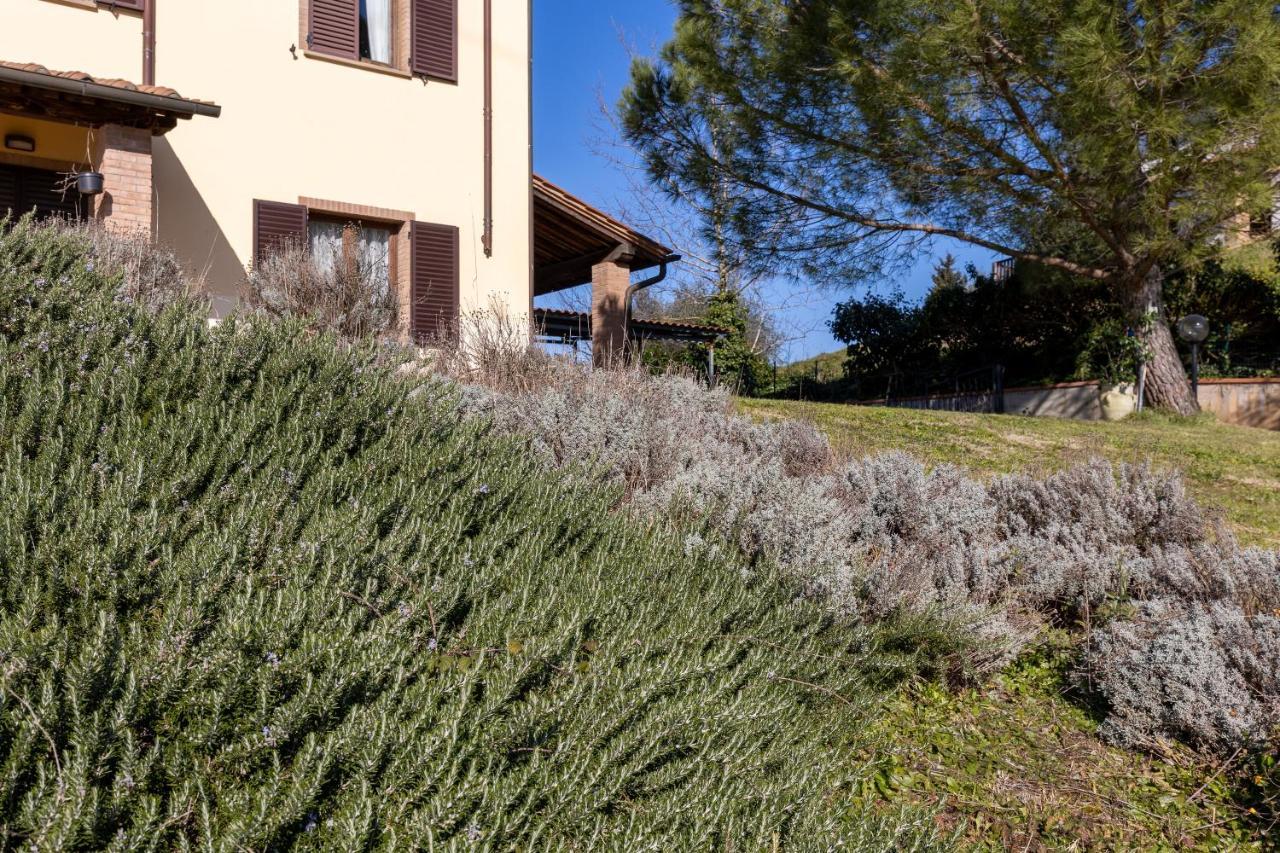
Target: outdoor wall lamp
18	142
1193	329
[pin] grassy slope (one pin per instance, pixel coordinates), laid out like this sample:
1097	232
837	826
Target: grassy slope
1016	763
1234	468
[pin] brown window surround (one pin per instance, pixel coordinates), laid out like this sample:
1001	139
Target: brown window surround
400	32
397	220
127	6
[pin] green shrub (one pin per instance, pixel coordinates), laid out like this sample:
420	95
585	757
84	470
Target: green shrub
259	593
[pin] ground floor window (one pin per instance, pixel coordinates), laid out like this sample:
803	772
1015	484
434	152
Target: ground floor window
361	250
24	189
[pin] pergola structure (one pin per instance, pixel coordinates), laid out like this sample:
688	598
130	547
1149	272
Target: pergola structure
111	121
575	244
556	326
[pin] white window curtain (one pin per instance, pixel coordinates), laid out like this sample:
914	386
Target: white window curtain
374	246
326	244
378	20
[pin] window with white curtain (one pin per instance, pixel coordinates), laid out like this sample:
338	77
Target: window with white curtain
375	30
352	245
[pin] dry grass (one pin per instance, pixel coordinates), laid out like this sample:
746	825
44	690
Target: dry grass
347	299
151	275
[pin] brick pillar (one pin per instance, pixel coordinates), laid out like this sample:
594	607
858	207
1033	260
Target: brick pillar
609	282
123	155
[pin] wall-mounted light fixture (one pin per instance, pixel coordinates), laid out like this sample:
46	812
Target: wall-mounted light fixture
18	142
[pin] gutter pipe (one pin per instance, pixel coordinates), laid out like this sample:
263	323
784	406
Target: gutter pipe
149	42
633	289
487	239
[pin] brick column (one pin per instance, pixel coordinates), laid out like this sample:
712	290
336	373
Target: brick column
609	281
124	158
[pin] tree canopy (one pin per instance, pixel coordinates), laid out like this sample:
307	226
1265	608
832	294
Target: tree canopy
843	132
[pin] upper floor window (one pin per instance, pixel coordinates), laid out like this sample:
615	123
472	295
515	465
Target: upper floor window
410	36
375	30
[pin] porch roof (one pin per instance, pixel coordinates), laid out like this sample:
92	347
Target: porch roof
570	236
570	326
79	98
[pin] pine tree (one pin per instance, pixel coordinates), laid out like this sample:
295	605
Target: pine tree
946	276
848	131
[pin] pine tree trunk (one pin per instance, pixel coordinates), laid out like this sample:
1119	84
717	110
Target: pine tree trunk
1167	385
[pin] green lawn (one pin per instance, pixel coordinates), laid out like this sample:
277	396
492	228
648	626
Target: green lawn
1232	470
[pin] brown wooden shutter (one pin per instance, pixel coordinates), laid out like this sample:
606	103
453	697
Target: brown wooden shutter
433	43
275	222
433	278
123	4
43	190
23	190
333	27
9	192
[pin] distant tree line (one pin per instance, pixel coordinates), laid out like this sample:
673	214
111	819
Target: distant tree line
1044	327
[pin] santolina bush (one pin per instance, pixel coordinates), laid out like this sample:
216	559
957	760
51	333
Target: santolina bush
259	592
1122	556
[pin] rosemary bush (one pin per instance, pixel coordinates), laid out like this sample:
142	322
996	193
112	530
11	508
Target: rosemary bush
258	592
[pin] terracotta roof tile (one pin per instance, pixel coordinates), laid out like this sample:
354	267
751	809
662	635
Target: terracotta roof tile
113	82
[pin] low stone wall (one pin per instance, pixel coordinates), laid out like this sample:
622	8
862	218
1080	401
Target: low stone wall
1247	402
1075	400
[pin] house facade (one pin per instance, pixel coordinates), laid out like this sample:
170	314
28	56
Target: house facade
393	133
287	119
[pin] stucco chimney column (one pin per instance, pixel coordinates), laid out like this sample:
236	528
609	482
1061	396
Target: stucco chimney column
123	155
609	282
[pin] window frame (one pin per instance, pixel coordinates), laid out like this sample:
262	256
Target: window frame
401	28
351	226
122	5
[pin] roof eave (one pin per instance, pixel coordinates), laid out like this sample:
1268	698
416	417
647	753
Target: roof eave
180	107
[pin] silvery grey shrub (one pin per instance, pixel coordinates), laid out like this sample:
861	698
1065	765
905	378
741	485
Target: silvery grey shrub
1205	672
1181	621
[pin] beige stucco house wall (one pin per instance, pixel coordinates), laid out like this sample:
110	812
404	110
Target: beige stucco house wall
345	138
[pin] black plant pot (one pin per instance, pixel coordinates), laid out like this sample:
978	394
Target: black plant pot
89	183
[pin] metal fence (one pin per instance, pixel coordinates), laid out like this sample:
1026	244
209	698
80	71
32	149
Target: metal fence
980	390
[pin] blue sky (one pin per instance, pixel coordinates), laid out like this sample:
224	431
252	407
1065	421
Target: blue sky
581	54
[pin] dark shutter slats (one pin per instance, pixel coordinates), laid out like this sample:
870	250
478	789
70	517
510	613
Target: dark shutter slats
9	192
334	27
123	4
23	190
43	190
433	277
434	40
276	222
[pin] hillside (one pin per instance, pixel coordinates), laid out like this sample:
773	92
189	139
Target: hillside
1236	469
261	593
826	366
268	589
